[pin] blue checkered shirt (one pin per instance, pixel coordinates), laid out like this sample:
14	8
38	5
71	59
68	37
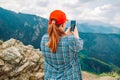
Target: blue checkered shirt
65	63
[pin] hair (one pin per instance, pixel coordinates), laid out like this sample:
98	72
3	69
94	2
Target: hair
54	33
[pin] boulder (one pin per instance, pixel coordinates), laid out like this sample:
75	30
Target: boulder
20	62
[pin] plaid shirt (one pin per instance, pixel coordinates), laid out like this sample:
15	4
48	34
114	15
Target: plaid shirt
65	63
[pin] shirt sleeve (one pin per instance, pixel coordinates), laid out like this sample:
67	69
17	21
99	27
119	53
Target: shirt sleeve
42	45
76	45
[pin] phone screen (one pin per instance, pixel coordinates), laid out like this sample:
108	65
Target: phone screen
73	24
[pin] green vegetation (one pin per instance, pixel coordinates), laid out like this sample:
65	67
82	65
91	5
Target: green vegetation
104	76
25	27
102	50
96	66
112	74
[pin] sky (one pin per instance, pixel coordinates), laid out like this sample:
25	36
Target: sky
106	11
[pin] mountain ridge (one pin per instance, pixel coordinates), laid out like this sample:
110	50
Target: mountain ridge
27	28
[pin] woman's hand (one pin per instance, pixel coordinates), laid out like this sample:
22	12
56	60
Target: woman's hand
75	32
68	31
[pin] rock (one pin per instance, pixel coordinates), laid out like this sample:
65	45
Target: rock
1	63
1	42
20	62
9	43
39	75
11	55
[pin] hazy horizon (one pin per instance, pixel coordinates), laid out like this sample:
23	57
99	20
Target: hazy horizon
106	11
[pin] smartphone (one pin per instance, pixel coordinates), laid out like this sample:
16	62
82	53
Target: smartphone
73	24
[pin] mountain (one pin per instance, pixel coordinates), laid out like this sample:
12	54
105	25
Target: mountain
96	27
24	27
104	46
99	28
101	47
102	50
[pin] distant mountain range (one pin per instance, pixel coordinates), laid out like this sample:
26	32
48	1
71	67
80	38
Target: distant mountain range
96	27
101	47
24	27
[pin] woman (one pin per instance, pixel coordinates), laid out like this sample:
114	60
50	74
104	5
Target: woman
60	48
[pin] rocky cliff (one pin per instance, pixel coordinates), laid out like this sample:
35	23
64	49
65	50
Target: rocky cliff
20	62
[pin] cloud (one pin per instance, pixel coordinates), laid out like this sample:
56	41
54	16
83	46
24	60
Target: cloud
101	10
96	13
86	1
104	13
42	3
116	20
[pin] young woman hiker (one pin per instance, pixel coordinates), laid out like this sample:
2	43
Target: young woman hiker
60	49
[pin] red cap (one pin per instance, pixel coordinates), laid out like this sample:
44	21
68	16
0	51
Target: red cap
59	16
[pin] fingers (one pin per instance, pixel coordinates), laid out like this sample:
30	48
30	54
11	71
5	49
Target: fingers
75	33
75	28
68	31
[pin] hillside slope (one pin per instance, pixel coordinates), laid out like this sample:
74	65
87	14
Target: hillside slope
24	27
104	47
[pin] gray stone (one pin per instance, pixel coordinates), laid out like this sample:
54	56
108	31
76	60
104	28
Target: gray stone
11	55
20	62
1	42
9	43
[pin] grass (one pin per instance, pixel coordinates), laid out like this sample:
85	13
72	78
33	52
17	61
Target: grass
104	76
112	74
